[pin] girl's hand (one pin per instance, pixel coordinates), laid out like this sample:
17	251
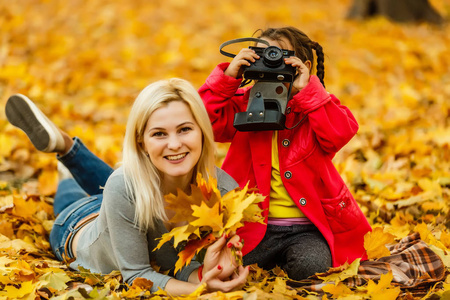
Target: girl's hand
214	283
243	58
220	254
302	78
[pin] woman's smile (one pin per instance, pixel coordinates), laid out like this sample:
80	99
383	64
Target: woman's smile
177	157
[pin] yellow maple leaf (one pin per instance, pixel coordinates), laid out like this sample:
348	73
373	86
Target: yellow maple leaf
24	208
445	239
238	207
383	290
375	243
384	282
280	287
134	292
341	273
19	291
208	216
337	290
387	294
180	205
55	280
179	234
6	228
427	236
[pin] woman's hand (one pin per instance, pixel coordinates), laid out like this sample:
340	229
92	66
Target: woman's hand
214	283
243	58
220	254
303	70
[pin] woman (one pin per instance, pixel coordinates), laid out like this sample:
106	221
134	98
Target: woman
168	140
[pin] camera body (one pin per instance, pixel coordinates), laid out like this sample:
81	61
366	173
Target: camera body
269	96
270	66
265	109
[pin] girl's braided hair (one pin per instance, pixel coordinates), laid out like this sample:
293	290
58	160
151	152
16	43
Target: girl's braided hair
302	44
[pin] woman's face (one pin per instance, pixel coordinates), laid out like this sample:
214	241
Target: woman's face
173	141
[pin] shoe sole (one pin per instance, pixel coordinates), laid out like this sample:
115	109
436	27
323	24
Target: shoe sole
22	113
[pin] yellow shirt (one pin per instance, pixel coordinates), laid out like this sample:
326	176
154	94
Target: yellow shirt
281	204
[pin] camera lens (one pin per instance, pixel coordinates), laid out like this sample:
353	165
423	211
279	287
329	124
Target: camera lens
273	56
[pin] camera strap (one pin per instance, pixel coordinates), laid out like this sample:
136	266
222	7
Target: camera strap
240	40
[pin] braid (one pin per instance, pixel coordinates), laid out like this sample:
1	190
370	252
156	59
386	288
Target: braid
320	61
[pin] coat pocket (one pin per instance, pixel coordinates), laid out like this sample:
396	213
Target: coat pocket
342	213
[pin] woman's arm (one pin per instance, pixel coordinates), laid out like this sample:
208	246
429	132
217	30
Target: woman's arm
129	244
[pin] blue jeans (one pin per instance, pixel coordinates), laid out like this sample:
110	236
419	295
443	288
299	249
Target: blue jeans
77	197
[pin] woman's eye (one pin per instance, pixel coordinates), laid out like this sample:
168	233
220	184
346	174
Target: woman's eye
157	134
185	129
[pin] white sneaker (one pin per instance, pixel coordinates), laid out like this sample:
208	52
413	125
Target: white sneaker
24	114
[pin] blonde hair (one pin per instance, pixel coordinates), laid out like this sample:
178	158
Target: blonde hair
142	178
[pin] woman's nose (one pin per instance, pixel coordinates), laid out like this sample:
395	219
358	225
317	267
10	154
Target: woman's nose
174	143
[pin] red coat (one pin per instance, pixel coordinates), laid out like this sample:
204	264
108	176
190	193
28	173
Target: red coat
305	154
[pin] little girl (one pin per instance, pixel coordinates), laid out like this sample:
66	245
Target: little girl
312	220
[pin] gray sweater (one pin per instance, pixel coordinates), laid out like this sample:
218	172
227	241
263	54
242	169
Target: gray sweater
113	242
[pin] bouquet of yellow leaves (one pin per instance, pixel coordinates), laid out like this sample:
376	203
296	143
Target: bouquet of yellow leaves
209	216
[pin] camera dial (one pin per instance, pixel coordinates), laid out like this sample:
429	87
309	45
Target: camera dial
273	56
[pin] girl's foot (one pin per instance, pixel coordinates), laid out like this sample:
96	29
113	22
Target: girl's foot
24	114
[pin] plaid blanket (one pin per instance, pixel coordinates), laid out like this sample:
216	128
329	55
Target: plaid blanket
412	262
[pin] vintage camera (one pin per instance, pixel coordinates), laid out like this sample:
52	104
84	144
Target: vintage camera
269	96
270	66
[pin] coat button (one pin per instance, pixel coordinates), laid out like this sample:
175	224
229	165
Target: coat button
288	110
302	201
286	142
287	174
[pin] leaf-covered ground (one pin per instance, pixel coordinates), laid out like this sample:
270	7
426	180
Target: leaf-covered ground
84	62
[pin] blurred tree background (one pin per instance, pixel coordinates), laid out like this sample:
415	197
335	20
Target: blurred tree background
84	62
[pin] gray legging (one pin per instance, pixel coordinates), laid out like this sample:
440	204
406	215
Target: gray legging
300	250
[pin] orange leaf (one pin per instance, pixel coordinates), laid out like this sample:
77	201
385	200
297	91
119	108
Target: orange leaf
6	228
48	182
192	247
142	283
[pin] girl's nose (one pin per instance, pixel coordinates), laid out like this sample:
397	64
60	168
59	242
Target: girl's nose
174	143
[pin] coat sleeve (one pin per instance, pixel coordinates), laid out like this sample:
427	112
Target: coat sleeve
223	99
333	123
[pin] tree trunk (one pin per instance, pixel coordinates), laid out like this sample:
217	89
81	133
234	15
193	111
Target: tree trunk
395	10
